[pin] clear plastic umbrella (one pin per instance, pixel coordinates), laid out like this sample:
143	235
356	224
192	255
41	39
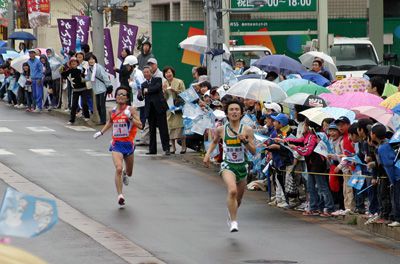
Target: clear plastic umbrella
259	90
18	62
198	44
307	59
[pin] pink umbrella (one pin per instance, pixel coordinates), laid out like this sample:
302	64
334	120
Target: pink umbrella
350	100
380	114
349	85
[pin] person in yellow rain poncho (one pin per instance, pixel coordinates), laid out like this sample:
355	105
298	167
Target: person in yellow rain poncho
13	255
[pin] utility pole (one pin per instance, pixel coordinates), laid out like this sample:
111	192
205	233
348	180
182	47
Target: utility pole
375	25
226	5
215	40
323	26
98	30
11	22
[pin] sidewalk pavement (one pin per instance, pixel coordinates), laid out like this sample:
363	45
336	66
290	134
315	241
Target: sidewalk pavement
196	160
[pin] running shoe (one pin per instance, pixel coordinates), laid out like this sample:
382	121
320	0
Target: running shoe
302	207
283	205
125	178
234	227
394	224
121	200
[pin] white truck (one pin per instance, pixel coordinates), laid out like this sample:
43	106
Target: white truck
249	53
353	56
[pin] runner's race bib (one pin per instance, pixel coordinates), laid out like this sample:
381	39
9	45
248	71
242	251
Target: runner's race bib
120	130
234	154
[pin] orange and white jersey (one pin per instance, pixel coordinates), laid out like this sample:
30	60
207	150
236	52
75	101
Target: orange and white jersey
123	129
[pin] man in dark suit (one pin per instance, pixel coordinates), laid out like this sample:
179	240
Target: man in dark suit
156	110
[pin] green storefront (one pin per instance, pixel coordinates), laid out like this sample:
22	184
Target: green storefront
167	35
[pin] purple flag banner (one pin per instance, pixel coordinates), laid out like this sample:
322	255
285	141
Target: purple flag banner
82	28
127	37
67	30
109	63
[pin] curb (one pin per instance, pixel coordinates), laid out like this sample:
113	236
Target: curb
379	229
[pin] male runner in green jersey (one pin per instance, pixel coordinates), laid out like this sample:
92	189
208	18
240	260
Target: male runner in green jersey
237	138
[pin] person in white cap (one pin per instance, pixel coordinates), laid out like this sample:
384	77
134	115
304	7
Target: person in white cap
271	108
152	62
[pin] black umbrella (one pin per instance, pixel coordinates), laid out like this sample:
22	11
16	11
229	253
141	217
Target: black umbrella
304	99
384	71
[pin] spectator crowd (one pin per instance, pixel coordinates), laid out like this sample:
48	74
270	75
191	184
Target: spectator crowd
340	165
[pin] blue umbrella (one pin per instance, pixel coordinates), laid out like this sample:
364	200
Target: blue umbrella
10	54
315	78
22	35
4	50
279	64
3	43
396	109
336	112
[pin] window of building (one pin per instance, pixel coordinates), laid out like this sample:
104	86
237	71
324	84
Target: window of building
391	8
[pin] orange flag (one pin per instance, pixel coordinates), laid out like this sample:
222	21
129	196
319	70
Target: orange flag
190	57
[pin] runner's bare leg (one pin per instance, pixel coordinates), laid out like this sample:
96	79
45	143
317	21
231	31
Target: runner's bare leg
129	161
118	163
231	199
241	187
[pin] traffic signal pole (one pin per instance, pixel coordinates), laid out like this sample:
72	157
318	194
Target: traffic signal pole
323	26
98	30
11	22
215	40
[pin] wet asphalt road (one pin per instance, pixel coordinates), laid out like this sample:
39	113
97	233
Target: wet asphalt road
174	210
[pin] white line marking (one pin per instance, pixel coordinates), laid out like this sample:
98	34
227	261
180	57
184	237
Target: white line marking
104	235
5	130
95	153
81	128
5	152
41	129
44	152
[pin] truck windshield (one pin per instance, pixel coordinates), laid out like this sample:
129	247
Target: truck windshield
356	57
248	56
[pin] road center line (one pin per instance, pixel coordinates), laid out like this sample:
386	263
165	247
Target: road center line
107	237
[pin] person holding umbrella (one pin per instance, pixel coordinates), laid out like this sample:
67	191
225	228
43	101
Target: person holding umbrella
237	139
317	67
377	86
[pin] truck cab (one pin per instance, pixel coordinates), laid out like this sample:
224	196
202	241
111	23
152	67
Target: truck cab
249	53
353	56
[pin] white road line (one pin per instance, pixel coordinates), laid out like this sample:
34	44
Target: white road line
95	153
104	235
40	129
5	130
81	128
44	152
4	152
21	120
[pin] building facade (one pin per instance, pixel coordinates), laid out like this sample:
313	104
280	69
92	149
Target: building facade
48	36
183	10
